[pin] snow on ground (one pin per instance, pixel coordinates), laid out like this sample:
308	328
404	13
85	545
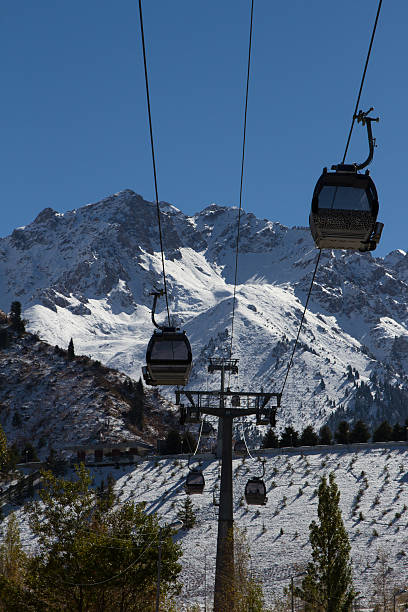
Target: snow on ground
278	532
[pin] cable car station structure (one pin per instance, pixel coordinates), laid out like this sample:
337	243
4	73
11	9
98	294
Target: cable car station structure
221	404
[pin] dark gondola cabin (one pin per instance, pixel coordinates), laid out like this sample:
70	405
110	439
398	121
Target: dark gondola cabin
255	492
195	482
168	358
344	211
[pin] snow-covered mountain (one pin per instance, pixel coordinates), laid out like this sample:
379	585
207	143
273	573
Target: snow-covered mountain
87	274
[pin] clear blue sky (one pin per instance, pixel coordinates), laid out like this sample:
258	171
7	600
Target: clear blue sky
74	121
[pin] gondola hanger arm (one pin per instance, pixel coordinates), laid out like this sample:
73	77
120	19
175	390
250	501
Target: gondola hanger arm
156	295
363	118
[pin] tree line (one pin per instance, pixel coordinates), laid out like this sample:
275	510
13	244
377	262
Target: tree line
344	434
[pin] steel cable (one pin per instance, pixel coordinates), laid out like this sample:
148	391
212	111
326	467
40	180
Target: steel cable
153	158
362	79
344	157
301	321
242	179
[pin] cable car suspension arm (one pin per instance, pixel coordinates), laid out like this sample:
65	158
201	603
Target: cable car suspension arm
156	295
365	120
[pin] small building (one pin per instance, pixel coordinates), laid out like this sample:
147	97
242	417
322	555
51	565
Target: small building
105	451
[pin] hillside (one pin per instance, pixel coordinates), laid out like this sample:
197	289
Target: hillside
87	274
373	483
50	401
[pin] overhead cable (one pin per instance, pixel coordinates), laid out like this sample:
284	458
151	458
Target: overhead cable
344	157
362	79
242	178
153	159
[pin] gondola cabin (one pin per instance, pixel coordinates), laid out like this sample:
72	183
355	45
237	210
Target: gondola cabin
168	358
195	482
255	492
344	210
240	448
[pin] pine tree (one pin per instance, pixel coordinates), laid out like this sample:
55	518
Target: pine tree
17	322
399	433
309	437
137	405
328	584
383	433
186	514
270	439
360	432
71	350
342	434
290	437
325	435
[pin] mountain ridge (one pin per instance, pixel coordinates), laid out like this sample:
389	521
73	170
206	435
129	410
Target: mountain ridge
87	274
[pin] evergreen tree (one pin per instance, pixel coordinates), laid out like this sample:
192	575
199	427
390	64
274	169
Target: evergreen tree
71	350
399	433
325	435
137	405
270	439
383	433
360	432
289	437
328	584
17	322
4	452
85	541
186	514
309	437
342	434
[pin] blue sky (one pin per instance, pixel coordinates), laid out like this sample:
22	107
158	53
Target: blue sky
74	122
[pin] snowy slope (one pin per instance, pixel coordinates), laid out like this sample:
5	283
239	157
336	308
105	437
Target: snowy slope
87	274
372	480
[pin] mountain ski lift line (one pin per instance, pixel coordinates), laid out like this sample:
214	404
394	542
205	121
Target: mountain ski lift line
355	116
241	180
153	158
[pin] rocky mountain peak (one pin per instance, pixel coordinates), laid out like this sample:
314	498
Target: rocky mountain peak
87	274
